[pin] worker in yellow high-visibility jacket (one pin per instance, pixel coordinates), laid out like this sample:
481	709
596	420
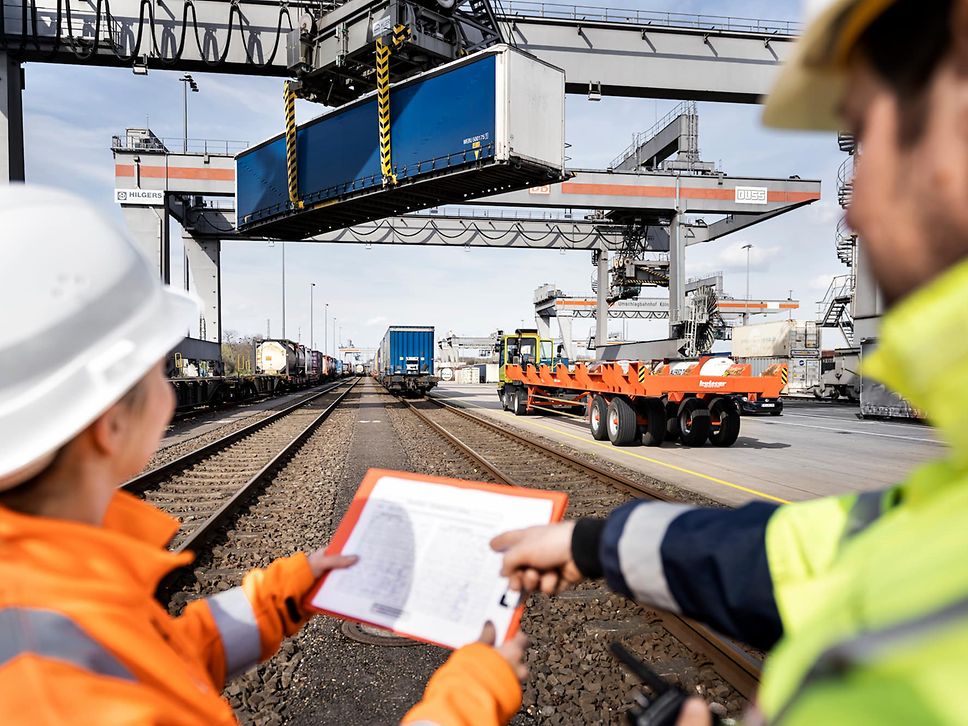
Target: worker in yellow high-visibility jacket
862	599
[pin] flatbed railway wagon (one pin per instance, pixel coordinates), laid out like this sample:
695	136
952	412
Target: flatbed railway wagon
634	403
405	359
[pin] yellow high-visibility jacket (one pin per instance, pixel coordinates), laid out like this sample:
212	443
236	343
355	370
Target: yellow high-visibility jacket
863	598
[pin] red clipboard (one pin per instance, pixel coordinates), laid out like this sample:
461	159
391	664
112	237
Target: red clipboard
559	501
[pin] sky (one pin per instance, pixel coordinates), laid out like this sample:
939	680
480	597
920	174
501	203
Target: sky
71	112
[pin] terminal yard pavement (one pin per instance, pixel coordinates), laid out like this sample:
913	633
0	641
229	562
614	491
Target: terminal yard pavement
814	449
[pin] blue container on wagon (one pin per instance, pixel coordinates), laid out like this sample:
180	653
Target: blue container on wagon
489	123
405	359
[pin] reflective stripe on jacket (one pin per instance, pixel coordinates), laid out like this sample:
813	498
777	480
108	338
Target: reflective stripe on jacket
82	639
862	596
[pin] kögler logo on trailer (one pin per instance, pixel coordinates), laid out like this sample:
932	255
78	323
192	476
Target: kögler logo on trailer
144	197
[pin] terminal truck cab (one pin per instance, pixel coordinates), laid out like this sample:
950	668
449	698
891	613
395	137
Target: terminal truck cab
523	347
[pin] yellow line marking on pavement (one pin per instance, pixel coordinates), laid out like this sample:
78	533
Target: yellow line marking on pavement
715	480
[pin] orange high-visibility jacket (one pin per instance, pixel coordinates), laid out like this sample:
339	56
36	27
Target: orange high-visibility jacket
83	640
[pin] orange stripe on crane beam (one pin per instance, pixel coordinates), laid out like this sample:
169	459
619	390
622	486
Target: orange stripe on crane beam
669	192
175	172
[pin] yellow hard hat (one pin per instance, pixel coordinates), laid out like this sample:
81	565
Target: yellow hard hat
811	84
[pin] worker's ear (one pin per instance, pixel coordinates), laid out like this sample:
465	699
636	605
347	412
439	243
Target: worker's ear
108	431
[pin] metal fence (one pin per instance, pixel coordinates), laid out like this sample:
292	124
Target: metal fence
177	145
593	13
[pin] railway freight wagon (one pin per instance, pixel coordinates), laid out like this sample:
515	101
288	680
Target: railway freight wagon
487	123
405	359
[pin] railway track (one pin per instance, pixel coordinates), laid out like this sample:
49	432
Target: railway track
517	460
207	487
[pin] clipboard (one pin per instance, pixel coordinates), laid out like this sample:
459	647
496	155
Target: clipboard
426	569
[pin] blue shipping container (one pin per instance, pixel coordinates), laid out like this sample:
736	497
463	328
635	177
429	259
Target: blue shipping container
407	350
437	121
451	139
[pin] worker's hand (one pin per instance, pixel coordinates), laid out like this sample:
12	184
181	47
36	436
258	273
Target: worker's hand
320	563
512	649
539	558
694	712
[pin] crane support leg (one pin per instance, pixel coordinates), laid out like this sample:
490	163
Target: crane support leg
383	110
289	98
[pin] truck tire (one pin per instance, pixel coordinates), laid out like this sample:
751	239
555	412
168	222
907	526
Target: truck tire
672	421
623	424
597	416
519	402
693	422
654	430
724	412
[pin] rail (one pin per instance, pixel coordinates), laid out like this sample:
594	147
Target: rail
202	535
733	663
633	16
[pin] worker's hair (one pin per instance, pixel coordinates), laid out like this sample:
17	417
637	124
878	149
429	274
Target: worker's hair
134	400
905	47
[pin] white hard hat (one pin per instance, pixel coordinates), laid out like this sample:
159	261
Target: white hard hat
85	318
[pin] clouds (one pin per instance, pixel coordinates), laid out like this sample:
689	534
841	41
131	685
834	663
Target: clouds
732	257
72	111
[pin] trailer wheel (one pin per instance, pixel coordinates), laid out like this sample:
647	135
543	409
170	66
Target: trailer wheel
597	415
623	425
725	413
519	407
672	421
693	422
654	431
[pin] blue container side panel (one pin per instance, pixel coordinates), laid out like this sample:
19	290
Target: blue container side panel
400	343
445	120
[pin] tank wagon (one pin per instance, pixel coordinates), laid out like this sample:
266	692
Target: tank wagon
405	359
197	372
633	402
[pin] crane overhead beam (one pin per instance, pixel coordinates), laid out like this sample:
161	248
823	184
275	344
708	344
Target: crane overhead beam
436	230
625	55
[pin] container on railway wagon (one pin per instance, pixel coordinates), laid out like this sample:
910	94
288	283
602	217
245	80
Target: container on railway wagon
488	123
405	359
275	357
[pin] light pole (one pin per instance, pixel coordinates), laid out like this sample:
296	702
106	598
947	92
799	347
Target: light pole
746	315
283	245
325	324
312	328
188	81
335	349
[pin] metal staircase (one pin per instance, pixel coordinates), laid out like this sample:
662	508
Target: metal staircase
834	310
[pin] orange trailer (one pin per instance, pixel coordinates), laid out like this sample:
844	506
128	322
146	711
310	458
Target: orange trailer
636	402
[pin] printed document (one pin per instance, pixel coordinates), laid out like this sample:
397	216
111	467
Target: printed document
426	568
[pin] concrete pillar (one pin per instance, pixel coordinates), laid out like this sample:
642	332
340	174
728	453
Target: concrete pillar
677	275
868	305
543	325
149	229
11	120
601	308
204	258
564	327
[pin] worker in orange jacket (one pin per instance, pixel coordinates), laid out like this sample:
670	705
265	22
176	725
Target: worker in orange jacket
83	405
